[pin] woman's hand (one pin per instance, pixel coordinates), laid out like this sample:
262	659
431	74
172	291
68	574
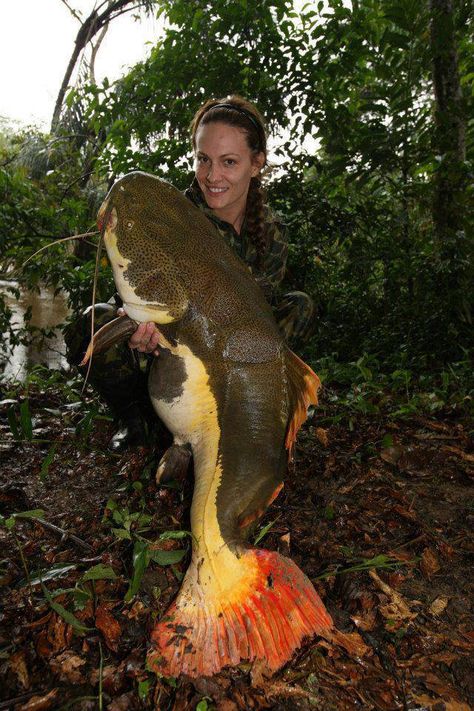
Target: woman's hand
146	337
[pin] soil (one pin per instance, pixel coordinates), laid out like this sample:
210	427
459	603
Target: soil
378	512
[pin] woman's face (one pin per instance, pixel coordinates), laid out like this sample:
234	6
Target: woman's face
224	166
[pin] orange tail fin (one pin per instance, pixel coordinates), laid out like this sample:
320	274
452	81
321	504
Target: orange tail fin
303	386
267	616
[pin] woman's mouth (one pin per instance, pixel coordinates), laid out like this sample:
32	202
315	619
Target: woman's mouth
215	191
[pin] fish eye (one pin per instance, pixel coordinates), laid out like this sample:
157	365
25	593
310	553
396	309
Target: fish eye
129	224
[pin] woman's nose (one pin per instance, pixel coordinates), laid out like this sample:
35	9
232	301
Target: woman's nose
212	173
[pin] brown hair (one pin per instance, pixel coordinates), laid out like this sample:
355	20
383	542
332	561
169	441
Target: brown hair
237	111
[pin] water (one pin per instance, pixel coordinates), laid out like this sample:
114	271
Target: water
47	312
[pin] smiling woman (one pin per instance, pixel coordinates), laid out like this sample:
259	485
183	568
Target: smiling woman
230	147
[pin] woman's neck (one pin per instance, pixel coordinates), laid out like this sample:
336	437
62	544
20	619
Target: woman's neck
236	220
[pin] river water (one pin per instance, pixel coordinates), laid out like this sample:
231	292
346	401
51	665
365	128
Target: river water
47	312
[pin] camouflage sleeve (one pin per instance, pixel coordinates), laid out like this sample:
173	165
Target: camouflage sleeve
274	264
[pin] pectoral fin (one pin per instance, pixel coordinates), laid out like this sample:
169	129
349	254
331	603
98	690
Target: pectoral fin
113	332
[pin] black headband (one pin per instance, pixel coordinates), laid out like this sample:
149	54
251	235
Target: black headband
240	110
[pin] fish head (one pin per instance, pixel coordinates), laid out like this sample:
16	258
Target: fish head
134	219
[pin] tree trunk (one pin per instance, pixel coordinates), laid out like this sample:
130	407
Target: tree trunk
93	24
450	179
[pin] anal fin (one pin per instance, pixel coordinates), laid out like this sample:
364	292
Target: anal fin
303	386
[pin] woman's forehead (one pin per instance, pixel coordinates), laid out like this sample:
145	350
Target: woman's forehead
221	139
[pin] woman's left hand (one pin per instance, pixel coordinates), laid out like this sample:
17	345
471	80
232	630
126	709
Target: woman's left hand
146	338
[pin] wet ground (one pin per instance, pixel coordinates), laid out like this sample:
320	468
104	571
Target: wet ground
378	513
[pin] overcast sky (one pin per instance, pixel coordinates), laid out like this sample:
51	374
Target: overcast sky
36	42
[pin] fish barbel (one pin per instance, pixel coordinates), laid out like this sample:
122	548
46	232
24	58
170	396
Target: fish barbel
227	385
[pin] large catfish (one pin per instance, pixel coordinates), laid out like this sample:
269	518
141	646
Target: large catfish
227	385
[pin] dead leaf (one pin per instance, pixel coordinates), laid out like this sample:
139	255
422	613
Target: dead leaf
40	703
365	622
429	563
455	450
136	611
391	455
67	666
448	704
439	605
17	663
53	639
322	436
122	703
108	625
397	608
352	642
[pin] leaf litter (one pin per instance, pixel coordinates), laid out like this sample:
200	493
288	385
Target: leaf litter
379	516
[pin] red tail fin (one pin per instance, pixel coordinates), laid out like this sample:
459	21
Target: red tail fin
266	617
303	386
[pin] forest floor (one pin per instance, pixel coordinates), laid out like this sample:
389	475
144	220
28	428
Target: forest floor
377	511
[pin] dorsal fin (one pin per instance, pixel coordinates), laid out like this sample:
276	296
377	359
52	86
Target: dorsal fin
303	386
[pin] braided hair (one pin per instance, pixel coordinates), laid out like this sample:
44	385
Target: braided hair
240	113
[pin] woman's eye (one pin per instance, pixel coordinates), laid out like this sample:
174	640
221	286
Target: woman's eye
202	159
229	161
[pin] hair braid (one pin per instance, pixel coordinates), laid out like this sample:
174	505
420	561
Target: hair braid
255	216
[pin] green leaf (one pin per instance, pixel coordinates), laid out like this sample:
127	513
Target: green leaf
144	688
56	571
167	557
263	532
33	513
122	533
99	572
65	614
174	535
12	421
26	421
47	461
202	705
140	564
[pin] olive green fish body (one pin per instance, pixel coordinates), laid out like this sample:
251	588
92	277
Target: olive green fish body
225	384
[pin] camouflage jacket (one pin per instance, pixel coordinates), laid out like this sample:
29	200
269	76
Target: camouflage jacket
270	275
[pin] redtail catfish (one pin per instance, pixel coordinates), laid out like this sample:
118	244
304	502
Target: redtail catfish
227	385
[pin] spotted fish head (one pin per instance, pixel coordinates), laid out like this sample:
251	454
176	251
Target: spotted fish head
141	247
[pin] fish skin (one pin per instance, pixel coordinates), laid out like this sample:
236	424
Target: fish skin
226	384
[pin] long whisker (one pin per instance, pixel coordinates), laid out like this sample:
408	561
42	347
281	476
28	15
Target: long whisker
94	293
58	241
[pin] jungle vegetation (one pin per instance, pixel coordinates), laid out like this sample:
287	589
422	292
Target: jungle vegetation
369	105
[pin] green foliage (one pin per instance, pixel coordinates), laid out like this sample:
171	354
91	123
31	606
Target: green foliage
348	95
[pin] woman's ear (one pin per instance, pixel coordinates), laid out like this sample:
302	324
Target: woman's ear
258	162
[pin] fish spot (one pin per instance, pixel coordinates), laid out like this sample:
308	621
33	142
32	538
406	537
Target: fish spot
270	580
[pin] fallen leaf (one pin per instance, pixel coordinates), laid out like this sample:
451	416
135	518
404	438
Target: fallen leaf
122	703
455	450
17	663
40	703
439	605
108	625
397	608
67	666
54	638
365	622
429	563
391	455
352	642
322	436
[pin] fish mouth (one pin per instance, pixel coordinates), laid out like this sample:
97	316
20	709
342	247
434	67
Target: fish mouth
107	217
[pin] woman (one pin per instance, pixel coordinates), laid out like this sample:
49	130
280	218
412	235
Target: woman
230	148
